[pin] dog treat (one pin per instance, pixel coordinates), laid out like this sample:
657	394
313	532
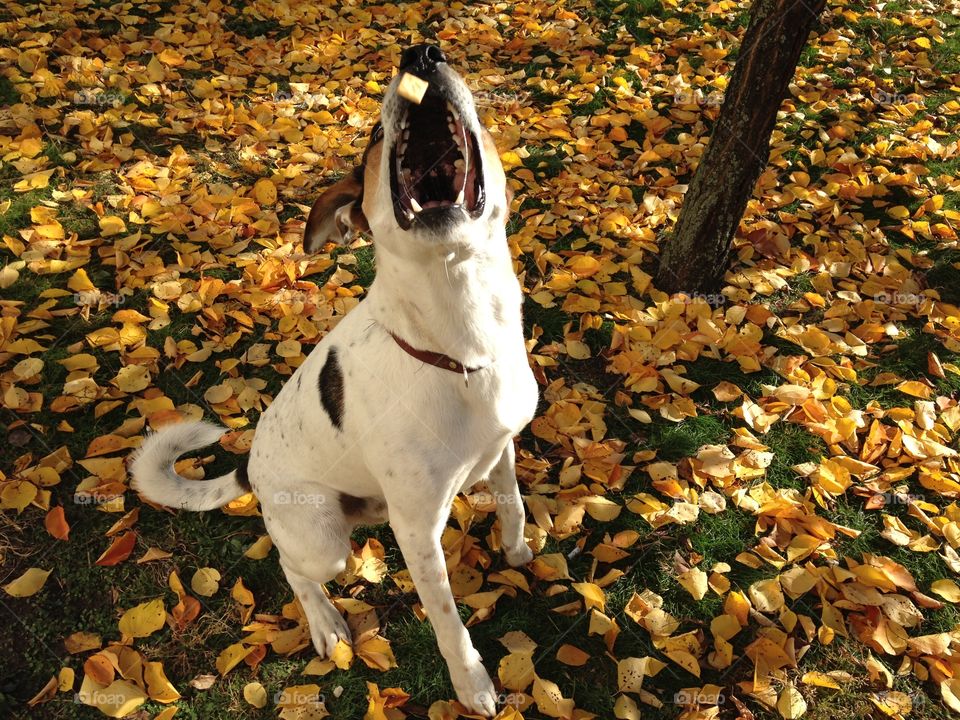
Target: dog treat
412	88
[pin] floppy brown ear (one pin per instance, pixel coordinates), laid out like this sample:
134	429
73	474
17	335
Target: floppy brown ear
336	215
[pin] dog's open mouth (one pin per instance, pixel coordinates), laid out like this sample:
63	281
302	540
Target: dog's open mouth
435	166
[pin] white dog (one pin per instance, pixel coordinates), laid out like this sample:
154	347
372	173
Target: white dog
414	396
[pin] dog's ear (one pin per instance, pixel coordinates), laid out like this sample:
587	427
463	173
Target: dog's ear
337	214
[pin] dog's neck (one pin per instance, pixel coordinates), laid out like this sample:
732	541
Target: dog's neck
459	300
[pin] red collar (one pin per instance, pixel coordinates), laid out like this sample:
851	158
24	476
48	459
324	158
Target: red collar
434	358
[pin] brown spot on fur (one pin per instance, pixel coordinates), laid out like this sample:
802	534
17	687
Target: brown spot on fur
331	389
242	478
352	506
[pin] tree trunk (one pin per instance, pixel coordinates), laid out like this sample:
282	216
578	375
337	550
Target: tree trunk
694	258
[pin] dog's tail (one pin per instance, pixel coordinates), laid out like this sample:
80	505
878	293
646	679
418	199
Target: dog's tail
155	479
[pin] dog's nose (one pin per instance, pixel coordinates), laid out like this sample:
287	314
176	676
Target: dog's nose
421	60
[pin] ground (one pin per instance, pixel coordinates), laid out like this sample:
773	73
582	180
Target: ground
745	500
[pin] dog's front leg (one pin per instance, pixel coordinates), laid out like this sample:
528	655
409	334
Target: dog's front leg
419	540
510	512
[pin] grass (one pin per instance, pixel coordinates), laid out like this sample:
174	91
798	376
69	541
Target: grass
675	441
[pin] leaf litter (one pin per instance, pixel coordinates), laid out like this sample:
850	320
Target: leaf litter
155	182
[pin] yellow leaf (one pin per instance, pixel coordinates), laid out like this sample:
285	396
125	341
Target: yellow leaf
950	690
791	704
17	495
79	642
915	388
632	671
694	581
288	349
571	655
231	656
947	589
593	596
766	595
65	679
133	378
158	687
79	282
111	225
550	700
265	192
144	619
260	549
626	709
116	700
27	584
205	581
516	671
255	694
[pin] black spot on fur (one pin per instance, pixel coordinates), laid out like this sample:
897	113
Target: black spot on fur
331	389
351	505
242	478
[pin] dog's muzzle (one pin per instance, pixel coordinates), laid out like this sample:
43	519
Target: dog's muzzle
436	172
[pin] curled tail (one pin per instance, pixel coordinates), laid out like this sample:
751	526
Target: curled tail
155	479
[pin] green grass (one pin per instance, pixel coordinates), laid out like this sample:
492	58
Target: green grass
8	93
674	441
791	445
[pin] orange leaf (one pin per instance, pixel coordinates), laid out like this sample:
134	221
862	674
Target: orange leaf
56	523
119	550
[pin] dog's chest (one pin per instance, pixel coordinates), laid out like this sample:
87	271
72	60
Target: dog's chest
503	398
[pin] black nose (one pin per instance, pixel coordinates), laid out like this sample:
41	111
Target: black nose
421	60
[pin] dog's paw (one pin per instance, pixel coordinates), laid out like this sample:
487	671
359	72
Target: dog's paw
519	557
475	690
327	630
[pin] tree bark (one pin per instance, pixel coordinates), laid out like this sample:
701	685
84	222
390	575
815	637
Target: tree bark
695	257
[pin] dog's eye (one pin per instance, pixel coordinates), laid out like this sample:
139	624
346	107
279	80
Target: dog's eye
376	135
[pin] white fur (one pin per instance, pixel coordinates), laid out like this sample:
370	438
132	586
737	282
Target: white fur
154	476
413	435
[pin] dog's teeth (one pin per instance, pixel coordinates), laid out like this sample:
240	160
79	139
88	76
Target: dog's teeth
460	164
415	205
460	198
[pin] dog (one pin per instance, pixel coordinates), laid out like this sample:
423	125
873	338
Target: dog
414	396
